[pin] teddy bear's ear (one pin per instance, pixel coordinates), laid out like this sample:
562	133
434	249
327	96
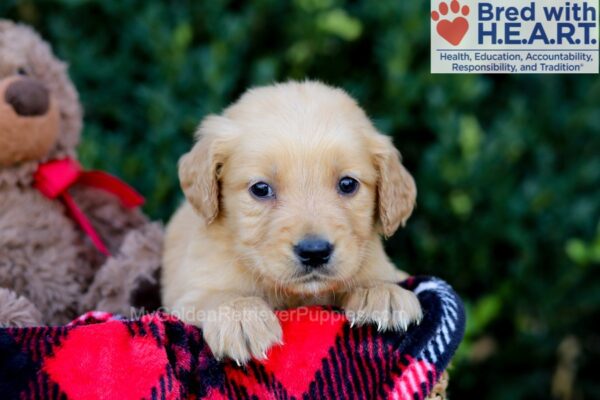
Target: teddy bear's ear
199	169
5	24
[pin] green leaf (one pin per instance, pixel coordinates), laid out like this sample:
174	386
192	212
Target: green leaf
339	23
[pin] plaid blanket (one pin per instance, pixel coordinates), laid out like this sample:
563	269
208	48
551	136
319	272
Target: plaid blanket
100	356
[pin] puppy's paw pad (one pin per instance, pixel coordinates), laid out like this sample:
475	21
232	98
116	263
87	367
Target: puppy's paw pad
243	328
386	305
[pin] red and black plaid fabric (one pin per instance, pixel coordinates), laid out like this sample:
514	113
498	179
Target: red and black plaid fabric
100	356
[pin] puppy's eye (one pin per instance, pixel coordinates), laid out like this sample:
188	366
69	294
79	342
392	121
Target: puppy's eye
262	190
21	71
347	185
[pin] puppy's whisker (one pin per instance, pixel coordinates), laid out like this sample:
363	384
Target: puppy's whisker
332	289
350	283
249	259
280	286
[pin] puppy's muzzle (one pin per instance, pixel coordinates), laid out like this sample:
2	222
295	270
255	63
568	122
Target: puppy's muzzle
313	252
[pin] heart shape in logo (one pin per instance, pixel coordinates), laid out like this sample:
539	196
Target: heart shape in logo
453	31
104	361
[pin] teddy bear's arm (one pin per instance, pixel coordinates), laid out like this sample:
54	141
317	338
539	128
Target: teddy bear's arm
109	218
128	281
17	311
135	246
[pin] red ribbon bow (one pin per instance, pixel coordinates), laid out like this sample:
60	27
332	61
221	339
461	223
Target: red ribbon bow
54	178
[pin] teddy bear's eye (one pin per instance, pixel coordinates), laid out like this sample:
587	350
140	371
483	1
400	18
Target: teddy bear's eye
21	71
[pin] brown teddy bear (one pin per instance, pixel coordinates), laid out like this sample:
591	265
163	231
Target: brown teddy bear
71	248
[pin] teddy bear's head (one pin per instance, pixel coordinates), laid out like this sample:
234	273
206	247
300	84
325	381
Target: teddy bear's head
40	114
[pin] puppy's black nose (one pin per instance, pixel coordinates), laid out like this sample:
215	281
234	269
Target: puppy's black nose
313	252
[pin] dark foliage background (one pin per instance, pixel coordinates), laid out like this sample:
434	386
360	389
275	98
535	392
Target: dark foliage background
508	167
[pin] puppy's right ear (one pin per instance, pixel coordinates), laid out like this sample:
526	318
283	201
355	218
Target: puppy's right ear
199	169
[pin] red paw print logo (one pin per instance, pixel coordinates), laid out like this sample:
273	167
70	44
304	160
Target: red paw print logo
453	30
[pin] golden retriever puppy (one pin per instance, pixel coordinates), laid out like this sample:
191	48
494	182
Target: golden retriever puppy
288	192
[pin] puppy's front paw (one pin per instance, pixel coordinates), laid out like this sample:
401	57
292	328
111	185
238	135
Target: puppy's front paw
386	305
243	328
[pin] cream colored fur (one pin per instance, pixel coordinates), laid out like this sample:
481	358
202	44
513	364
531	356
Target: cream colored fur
228	252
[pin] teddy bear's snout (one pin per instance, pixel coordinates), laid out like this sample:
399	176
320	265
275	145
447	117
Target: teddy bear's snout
29	120
28	97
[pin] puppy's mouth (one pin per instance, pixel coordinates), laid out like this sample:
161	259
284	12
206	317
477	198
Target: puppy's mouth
315	275
312	282
312	277
307	280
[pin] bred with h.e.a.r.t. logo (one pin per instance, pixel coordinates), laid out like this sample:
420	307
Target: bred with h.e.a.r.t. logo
510	36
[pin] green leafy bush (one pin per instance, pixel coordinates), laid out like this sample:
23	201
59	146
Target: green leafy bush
508	167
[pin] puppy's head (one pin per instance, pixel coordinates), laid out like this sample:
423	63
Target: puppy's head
300	181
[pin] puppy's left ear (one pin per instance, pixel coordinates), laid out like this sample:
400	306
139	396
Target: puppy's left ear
396	189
